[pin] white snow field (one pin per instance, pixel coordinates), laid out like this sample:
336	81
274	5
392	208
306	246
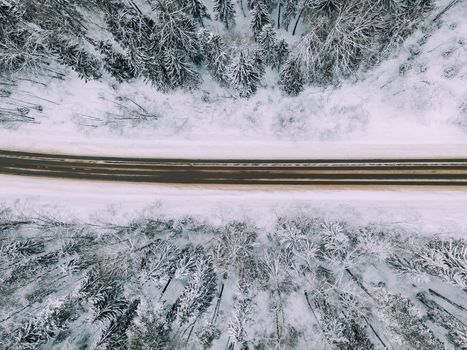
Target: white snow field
432	210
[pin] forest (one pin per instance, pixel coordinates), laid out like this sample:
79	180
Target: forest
176	44
186	283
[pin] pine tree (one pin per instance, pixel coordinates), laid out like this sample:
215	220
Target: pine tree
116	63
158	261
327	7
291	79
268	43
289	12
282	53
401	317
108	304
179	71
129	28
48	323
71	55
259	18
135	34
175	30
225	12
150	329
115	335
199	292
244	76
216	55
150	66
197	10
259	64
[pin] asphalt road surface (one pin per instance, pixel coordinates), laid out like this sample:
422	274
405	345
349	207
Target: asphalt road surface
341	172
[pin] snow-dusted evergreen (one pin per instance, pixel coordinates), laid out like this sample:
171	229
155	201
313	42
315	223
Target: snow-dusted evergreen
259	17
291	81
244	74
197	10
158	41
225	12
163	283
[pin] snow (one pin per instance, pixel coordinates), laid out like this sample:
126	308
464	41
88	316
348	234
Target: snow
414	111
411	214
431	211
412	104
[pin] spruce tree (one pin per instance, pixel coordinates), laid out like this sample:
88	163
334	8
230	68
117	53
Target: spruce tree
289	12
116	63
225	12
71	55
175	30
178	70
282	53
216	55
115	336
244	75
259	18
291	79
197	10
268	43
259	63
199	292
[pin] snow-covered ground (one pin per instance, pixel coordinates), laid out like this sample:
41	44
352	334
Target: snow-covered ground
413	103
440	211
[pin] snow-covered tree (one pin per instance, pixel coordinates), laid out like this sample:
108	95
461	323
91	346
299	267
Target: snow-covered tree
326	7
307	53
197	10
259	17
54	318
274	52
175	30
267	40
259	64
179	71
282	53
216	55
244	75
288	12
158	261
457	330
224	12
304	6
400	315
150	328
238	324
115	334
199	292
116	63
444	259
291	78
135	34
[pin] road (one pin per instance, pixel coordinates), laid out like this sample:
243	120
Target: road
341	172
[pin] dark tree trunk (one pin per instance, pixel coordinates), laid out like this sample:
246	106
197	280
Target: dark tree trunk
279	15
298	19
375	333
460	307
241	6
